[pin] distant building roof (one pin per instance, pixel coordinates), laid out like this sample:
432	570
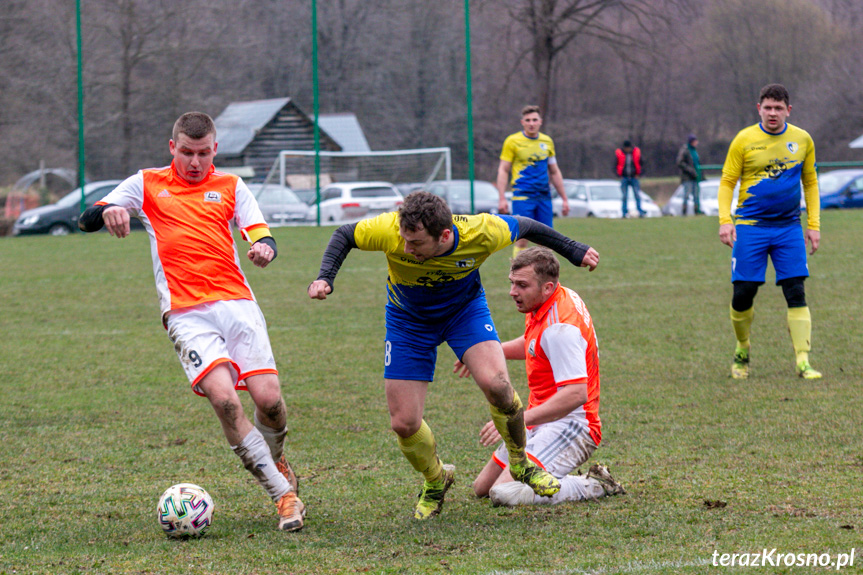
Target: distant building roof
858	143
345	129
238	124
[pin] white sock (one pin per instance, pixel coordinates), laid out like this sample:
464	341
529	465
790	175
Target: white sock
573	488
275	438
255	455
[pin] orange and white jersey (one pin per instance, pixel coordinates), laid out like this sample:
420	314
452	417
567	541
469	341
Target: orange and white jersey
561	349
195	257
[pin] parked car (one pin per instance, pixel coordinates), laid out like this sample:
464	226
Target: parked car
841	189
456	193
352	201
405	189
709	190
601	199
61	218
279	204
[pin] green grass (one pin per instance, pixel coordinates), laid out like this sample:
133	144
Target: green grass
97	419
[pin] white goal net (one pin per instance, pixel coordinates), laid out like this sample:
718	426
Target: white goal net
296	168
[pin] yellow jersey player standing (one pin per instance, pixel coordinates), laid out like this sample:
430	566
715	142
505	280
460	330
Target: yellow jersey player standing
770	160
530	156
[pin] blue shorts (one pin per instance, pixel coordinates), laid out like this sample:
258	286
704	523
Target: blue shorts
410	350
533	208
785	246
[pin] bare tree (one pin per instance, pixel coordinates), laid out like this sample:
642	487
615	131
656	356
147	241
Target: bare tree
750	44
553	25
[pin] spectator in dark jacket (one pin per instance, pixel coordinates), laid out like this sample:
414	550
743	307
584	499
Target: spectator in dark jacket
628	168
690	174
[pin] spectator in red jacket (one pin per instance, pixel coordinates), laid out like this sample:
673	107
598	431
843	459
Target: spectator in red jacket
628	168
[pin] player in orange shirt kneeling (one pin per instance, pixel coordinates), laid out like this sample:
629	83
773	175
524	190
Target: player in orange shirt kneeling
560	352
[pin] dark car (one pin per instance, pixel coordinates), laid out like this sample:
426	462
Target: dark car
841	189
61	218
457	195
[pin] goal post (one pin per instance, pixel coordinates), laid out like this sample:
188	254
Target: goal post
419	166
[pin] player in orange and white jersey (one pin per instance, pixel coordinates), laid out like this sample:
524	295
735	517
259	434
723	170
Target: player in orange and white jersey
208	308
559	347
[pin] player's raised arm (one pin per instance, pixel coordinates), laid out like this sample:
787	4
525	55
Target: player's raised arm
341	243
577	253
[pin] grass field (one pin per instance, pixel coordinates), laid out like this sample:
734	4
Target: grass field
97	419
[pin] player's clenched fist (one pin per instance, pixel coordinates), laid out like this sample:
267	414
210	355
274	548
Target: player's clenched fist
319	289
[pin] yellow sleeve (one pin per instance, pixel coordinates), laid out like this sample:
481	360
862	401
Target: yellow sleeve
378	234
810	190
731	172
499	231
256	232
507	154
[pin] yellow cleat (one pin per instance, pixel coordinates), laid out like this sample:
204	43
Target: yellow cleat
740	367
541	481
805	371
432	495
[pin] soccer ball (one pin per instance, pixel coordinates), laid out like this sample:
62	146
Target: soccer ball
185	510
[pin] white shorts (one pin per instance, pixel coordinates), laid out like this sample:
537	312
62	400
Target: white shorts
232	332
558	446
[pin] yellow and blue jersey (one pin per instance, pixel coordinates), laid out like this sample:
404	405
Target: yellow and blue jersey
770	168
436	288
529	158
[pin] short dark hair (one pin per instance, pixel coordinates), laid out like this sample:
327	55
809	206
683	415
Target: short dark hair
544	263
627	144
776	92
426	210
530	109
195	125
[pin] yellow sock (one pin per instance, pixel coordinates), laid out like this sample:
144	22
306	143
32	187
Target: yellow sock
509	423
800	328
421	451
516	250
742	323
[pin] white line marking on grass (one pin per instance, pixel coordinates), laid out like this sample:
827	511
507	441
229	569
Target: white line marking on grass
631	567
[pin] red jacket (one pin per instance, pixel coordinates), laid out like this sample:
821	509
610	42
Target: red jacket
621	160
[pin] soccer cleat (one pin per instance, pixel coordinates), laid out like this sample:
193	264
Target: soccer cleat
541	481
601	474
291	512
432	495
805	371
510	494
740	367
285	469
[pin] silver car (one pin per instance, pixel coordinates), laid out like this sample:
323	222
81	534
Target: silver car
353	201
601	199
279	204
456	193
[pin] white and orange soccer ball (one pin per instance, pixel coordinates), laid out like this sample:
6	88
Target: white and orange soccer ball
185	510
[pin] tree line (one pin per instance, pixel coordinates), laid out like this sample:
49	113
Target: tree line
651	71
